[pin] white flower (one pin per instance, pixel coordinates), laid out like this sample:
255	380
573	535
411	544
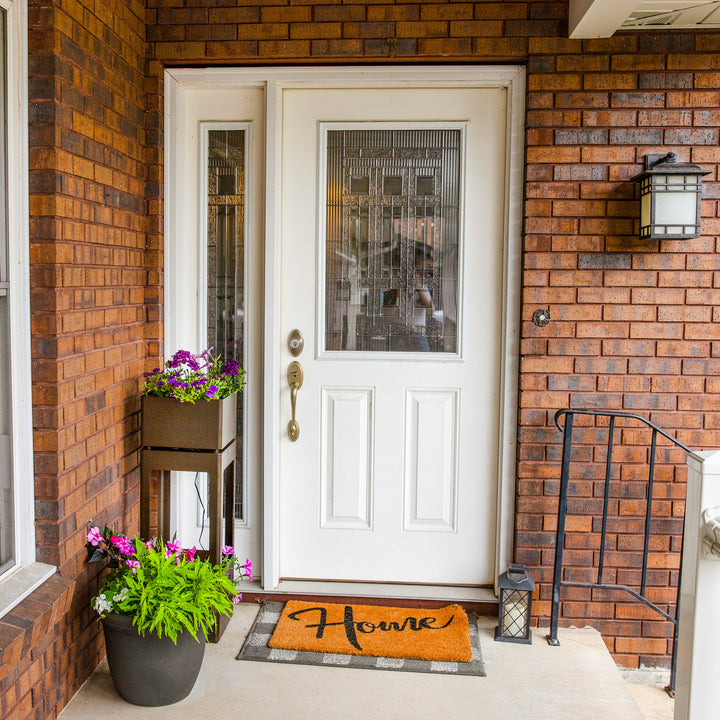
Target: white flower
102	605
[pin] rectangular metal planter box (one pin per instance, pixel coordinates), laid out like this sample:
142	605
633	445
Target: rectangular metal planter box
206	425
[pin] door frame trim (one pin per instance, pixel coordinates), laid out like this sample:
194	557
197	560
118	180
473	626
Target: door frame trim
275	81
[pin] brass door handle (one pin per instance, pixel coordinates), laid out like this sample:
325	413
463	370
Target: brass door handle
295	380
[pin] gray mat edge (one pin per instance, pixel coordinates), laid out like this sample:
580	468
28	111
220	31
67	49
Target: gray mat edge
255	648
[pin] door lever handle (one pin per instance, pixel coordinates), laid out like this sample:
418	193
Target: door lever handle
295	380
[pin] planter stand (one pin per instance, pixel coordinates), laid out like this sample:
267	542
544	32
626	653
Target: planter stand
218	463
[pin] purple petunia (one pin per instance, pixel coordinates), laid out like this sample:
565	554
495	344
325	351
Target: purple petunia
231	368
190	377
179	358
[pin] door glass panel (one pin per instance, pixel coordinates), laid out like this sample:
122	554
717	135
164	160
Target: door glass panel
392	242
226	263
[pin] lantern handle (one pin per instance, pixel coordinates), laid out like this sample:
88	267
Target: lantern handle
518	570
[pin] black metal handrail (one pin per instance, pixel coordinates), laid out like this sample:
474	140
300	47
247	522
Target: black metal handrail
558	582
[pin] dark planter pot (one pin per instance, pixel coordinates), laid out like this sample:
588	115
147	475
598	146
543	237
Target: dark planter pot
149	670
205	425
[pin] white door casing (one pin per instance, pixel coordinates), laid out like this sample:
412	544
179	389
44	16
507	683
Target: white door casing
275	83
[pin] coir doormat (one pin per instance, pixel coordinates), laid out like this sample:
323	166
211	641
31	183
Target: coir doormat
441	640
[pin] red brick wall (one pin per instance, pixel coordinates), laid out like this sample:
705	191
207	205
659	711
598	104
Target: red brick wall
37	675
88	279
634	325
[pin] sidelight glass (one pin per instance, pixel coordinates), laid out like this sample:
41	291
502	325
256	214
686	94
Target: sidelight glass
226	198
392	243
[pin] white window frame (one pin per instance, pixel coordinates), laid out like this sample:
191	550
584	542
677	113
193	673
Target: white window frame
27	574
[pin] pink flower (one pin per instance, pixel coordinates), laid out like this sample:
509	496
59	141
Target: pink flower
123	545
172	547
247	567
190	554
134	564
149	545
237	598
227	550
94	536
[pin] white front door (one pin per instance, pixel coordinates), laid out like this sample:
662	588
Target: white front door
393	211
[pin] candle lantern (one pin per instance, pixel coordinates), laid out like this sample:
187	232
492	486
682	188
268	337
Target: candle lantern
516	589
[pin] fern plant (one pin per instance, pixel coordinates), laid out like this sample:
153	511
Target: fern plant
166	590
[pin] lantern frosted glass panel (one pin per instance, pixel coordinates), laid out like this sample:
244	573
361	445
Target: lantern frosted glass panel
226	263
513	623
675	208
392	240
645	205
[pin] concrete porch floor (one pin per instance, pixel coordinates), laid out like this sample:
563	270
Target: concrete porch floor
578	681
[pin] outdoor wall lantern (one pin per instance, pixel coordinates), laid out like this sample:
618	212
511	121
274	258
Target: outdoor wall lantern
516	589
670	194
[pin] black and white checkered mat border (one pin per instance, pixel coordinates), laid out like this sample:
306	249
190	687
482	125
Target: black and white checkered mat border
256	648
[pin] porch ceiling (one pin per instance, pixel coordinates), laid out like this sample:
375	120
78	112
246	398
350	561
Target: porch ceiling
601	18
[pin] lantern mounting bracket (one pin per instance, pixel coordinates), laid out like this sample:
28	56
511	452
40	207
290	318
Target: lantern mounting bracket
653	159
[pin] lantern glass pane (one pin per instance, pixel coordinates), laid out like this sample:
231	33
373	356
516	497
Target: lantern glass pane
675	203
514	608
645	208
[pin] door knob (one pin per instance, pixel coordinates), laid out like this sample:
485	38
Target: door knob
295	380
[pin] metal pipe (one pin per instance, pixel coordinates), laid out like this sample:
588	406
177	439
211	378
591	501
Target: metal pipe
648	512
560	534
608	469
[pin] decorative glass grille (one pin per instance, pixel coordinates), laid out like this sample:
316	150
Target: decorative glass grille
226	263
392	244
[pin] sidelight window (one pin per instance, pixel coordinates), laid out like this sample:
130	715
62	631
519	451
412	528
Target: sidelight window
226	198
